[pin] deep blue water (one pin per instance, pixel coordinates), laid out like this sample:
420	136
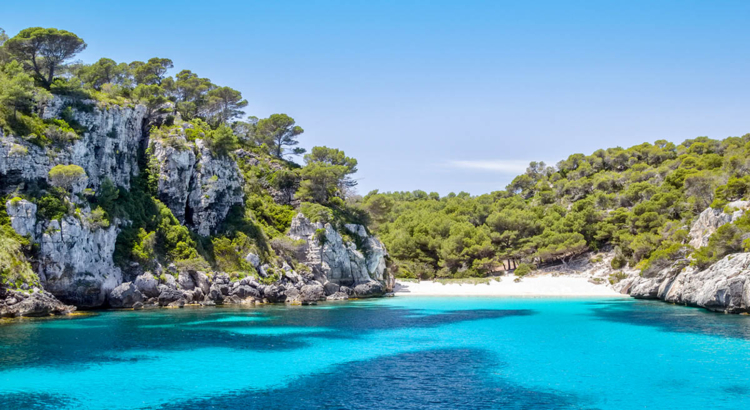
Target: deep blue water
397	353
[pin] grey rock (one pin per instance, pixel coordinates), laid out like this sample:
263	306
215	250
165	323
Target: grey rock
75	260
206	185
369	289
336	261
177	303
711	219
22	215
245	292
170	295
274	293
147	285
292	295
125	295
349	291
253	259
201	281
169	280
198	295
109	149
185	282
137	305
331	288
215	293
16	304
311	294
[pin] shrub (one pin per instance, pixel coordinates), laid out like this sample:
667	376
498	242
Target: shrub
51	207
316	212
320	236
98	218
523	269
618	262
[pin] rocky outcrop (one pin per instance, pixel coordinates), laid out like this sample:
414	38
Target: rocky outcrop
108	149
711	219
74	254
35	303
22	215
74	262
198	186
344	264
722	287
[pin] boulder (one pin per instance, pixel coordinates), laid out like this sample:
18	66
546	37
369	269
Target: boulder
331	288
125	295
185	281
311	294
201	281
147	285
39	303
253	259
215	293
169	280
369	289
245	292
292	295
274	293
170	295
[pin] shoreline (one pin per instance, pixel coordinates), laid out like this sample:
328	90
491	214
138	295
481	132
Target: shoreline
532	286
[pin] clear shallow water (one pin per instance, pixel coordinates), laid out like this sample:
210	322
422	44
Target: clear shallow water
406	353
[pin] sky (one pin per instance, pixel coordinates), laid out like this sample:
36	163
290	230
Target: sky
445	96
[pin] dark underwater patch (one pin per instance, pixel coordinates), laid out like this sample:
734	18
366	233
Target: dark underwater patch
451	379
674	318
34	401
84	340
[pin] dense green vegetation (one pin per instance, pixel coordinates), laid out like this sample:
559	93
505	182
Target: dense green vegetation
35	66
638	201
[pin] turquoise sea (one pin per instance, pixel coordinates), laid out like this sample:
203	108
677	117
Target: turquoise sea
395	353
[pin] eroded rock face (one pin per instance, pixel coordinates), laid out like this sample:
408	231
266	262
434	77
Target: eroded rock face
22	215
723	287
711	219
75	260
109	149
198	186
338	262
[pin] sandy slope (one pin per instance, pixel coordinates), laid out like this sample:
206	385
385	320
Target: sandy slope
546	285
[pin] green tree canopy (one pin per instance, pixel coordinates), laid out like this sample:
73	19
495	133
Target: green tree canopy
278	131
66	176
44	50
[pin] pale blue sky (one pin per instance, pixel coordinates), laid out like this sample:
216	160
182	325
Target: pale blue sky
445	96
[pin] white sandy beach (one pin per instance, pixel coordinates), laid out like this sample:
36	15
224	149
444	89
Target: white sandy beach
545	285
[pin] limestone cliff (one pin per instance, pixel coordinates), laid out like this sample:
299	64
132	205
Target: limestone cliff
198	186
73	256
108	149
340	263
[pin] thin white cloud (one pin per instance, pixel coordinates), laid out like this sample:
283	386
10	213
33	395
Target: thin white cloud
503	166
